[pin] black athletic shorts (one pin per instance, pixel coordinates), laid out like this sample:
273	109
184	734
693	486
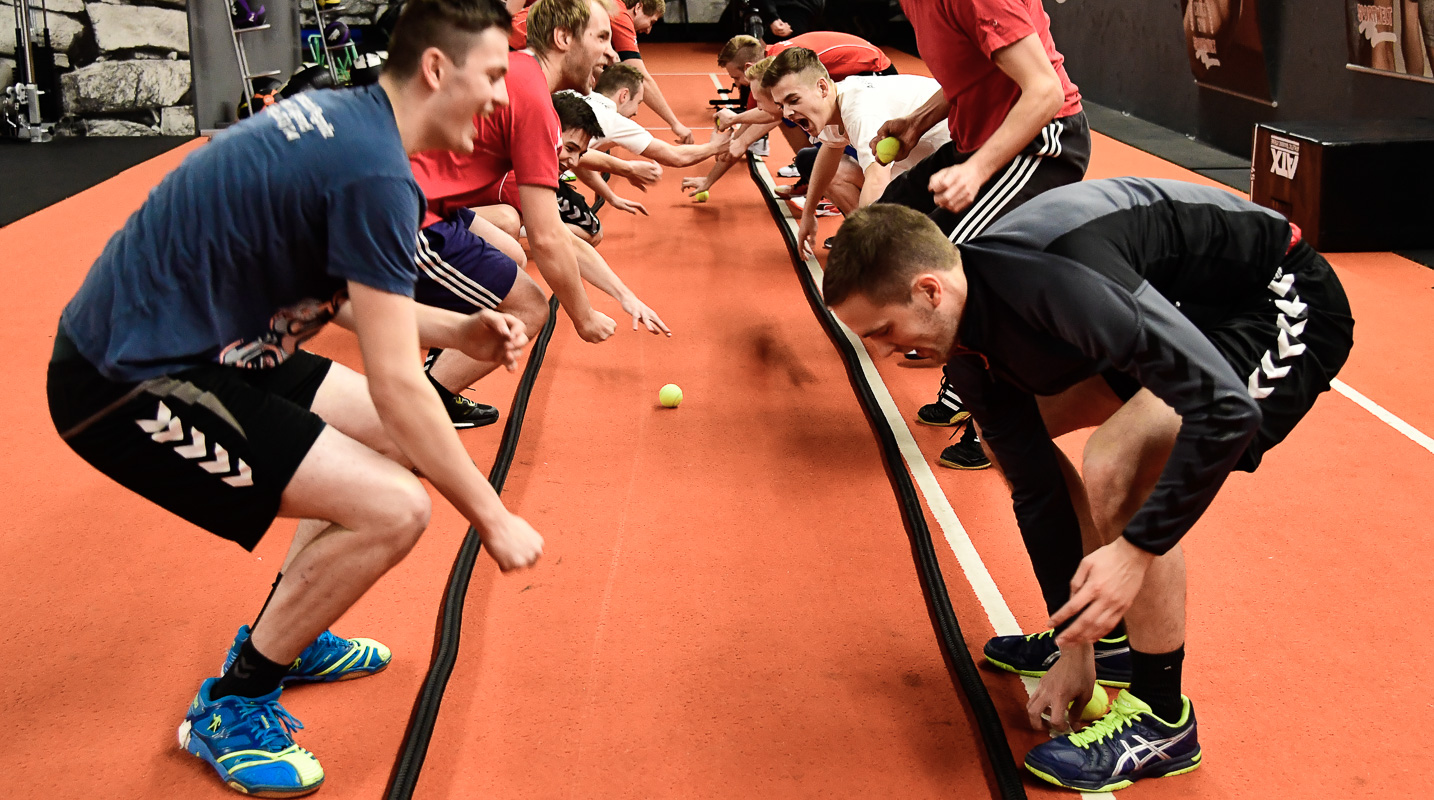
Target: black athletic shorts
216	445
1288	347
574	209
1057	156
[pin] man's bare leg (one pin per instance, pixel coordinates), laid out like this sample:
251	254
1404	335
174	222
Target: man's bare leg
502	216
456	371
355	475
498	234
845	189
335	404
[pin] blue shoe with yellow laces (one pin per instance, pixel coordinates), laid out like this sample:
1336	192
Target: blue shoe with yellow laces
249	742
1128	744
330	658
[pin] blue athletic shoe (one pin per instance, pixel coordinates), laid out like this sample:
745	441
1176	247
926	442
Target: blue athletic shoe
330	658
1127	744
1033	654
248	741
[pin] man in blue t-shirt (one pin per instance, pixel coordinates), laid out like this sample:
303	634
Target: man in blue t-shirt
177	369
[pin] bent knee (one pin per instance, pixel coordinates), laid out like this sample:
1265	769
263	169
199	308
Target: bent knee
406	511
507	219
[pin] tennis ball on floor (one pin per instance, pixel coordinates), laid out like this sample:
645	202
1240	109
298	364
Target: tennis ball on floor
887	148
700	197
1097	707
670	396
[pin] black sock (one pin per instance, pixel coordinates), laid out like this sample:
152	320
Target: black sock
1155	678
265	607
251	674
442	390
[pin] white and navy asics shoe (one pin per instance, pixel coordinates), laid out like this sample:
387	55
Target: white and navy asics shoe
1127	744
1033	655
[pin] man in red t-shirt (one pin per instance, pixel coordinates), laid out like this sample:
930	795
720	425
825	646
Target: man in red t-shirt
1017	129
629	18
459	265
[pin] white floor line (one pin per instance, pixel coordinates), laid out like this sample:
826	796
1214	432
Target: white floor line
1383	414
716	81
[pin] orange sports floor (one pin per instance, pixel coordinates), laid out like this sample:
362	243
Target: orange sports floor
727	607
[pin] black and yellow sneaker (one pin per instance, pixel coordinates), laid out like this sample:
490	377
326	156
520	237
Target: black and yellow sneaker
966	453
946	412
1033	654
1127	744
464	413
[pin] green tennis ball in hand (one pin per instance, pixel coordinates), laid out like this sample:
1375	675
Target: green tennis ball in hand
887	148
700	197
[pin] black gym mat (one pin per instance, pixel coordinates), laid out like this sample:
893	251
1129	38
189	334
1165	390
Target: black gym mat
34	176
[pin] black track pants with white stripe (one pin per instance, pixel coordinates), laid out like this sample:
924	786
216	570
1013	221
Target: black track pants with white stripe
1057	156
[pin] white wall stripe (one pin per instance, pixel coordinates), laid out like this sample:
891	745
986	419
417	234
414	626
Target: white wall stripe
973	568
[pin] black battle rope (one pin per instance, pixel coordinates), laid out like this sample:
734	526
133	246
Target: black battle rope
938	603
409	764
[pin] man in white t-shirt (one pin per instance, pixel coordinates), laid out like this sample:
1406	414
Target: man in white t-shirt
615	99
843	115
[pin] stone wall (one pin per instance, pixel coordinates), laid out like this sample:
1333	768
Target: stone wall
124	64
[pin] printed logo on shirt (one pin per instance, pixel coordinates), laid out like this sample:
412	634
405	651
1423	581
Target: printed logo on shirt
1284	156
288	328
299	115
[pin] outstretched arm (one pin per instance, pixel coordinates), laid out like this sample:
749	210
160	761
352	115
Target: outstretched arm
652	96
596	271
685	155
411	413
552	245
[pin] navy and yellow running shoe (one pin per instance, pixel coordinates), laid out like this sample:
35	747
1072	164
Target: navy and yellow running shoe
330	658
1033	654
249	742
1127	744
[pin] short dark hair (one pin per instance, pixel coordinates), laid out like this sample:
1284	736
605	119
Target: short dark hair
793	61
618	76
448	25
574	114
879	249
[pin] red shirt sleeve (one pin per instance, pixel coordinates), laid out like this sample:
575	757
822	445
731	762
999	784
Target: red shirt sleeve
993	24
533	135
624	33
518	39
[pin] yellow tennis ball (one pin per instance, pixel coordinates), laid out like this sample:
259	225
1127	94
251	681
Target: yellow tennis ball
1097	707
670	396
700	197
887	148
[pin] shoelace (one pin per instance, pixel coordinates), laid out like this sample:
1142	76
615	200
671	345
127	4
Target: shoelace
268	737
329	641
464	402
1118	718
